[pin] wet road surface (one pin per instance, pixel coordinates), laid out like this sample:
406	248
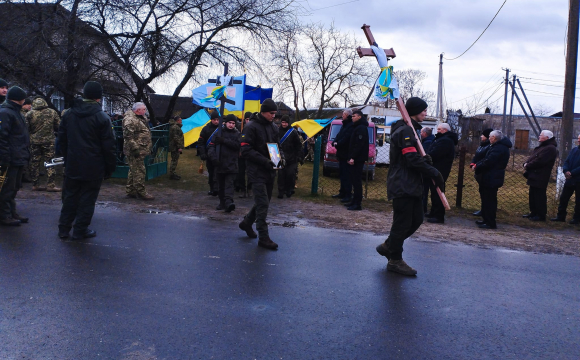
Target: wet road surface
164	286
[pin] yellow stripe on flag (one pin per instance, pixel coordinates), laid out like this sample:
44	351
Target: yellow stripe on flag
309	126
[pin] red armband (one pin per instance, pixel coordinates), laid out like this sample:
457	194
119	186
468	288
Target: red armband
245	144
409	150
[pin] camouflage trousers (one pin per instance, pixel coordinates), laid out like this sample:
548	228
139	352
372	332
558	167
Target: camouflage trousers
136	178
174	160
38	152
310	155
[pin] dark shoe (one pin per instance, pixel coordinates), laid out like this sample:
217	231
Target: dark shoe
480	222
574	222
354	207
434	220
401	267
429	216
63	234
22	219
337	196
175	177
146	196
267	243
132	196
230	207
348	204
38	188
88	234
248	229
346	200
220	207
9	222
537	218
485	226
477	213
559	219
530	215
290	193
382	250
54	189
280	196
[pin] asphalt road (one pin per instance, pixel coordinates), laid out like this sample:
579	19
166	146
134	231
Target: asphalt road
164	286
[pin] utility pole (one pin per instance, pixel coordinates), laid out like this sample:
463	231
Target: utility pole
570	80
440	90
510	120
503	121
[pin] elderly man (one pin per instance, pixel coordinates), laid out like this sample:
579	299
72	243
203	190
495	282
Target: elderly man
479	155
341	143
571	170
492	171
442	152
205	138
538	171
137	145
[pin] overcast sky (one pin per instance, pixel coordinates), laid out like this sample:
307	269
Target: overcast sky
528	36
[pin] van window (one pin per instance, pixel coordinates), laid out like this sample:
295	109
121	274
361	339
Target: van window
334	129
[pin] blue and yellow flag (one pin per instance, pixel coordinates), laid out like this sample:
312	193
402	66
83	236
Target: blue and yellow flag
192	126
312	127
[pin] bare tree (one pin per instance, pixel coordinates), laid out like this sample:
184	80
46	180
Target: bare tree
542	109
410	85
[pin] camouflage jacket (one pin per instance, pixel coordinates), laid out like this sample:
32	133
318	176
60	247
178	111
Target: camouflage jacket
136	135
42	122
175	136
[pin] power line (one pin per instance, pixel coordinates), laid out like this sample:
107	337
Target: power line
531	82
539	73
331	6
558	81
484	30
475	94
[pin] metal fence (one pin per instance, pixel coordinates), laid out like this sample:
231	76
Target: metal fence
512	197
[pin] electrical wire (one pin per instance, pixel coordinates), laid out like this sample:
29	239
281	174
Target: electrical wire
477	93
535	83
539	73
558	81
331	6
484	30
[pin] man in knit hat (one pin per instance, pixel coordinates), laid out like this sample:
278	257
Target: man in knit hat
14	154
3	90
405	186
205	137
261	173
87	142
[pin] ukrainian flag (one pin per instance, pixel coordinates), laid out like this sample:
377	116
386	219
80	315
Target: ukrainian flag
312	127
192	126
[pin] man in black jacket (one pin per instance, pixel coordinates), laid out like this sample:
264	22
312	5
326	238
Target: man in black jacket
442	152
14	154
479	155
87	142
341	144
492	171
405	186
291	146
3	90
427	139
205	137
358	153
261	173
226	166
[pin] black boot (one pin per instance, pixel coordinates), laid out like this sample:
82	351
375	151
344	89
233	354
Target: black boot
248	229
230	207
267	243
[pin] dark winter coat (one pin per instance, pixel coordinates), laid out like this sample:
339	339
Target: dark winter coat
492	166
408	167
292	145
442	151
426	142
572	164
87	142
230	141
358	149
257	133
342	139
539	165
204	139
479	155
14	138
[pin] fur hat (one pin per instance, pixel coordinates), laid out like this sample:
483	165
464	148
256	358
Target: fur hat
92	90
415	106
16	93
268	105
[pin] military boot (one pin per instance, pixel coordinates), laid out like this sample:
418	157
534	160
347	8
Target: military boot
248	229
382	250
22	219
267	243
38	188
9	222
230	207
401	267
54	189
146	196
220	207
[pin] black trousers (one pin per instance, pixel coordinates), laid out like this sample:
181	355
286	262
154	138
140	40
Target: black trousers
287	178
538	202
78	206
437	208
259	212
212	178
356	172
345	178
226	188
12	184
488	204
407	217
426	188
565	198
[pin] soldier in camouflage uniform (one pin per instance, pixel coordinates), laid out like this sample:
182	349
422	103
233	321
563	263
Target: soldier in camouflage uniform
42	124
175	145
137	145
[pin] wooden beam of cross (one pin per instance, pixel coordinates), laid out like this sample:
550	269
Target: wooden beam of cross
400	105
369	52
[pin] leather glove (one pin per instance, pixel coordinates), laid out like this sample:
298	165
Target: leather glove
218	140
270	165
428	158
439	181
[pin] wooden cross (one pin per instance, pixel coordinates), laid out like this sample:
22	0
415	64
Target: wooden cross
400	105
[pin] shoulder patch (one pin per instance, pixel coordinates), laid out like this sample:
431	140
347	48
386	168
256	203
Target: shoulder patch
407	138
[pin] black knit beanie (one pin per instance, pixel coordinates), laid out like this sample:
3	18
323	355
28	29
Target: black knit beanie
285	118
3	83
486	132
214	115
248	115
93	90
415	106
231	117
15	93
268	105
28	101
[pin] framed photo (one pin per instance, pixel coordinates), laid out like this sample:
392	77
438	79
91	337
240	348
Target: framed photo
274	154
